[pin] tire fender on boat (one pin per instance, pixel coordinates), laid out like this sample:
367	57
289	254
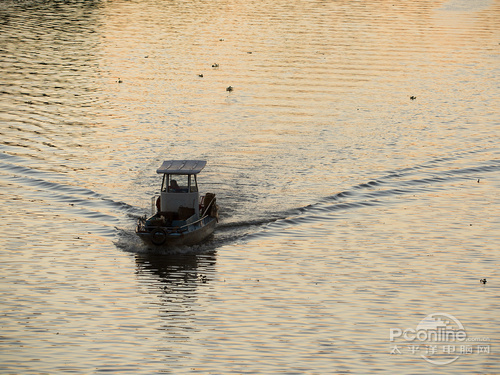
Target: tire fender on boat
158	236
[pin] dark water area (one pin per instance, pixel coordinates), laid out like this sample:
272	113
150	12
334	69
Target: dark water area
356	166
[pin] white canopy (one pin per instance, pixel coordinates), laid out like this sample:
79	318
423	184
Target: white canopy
182	166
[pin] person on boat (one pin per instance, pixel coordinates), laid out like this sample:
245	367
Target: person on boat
174	186
158	204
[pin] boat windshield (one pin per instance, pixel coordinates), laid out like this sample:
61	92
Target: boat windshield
179	183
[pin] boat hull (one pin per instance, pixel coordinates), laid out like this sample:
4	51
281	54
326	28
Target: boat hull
164	237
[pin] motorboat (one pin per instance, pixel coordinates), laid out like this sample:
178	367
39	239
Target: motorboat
181	216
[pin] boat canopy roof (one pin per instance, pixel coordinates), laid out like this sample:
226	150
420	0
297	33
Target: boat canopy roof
182	166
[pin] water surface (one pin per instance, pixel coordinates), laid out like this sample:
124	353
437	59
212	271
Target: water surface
347	208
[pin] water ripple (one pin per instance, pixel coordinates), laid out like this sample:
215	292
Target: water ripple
355	162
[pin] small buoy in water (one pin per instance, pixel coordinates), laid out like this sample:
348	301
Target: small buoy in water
413	97
483	281
229	88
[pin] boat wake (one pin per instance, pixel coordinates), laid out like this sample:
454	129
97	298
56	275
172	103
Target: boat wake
55	195
391	188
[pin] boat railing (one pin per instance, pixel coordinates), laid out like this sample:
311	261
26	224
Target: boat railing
179	228
193	223
209	205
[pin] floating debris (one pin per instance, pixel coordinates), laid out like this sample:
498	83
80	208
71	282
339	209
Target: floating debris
215	65
413	97
119	80
483	281
200	75
229	88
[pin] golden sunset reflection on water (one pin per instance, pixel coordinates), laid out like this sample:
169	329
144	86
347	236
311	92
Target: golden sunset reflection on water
355	163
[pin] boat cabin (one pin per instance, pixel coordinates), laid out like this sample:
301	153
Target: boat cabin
179	195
